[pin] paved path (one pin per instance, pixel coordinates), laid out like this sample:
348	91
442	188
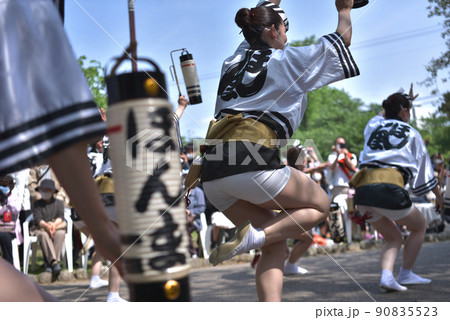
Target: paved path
343	277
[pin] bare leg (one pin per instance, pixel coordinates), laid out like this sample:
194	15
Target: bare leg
393	241
417	225
15	286
97	262
304	205
114	285
300	248
73	171
114	279
96	265
269	272
389	253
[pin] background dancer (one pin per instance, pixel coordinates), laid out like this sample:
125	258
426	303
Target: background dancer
394	154
262	95
51	120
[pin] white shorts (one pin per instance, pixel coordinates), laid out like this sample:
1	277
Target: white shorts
378	213
256	187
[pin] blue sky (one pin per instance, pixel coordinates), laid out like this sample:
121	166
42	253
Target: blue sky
392	43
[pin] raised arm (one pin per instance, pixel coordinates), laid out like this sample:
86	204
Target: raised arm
344	27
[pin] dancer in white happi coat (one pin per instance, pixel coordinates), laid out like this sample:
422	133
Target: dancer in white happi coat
394	154
262	98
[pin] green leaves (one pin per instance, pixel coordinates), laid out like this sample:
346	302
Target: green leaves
332	113
94	75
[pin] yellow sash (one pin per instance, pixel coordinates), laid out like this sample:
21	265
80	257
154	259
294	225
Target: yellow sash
379	175
236	128
232	128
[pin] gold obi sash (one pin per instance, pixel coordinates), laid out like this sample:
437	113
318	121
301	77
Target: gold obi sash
236	128
378	175
231	128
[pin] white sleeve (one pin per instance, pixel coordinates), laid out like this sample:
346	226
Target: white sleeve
315	66
242	46
424	181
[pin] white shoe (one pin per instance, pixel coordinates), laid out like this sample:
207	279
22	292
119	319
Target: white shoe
291	268
94	284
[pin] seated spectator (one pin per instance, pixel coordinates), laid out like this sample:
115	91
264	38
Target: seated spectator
9	212
43	172
49	224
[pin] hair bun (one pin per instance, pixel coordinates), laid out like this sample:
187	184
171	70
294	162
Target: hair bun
394	103
243	18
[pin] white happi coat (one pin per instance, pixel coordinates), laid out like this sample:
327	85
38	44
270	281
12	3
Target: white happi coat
393	143
271	85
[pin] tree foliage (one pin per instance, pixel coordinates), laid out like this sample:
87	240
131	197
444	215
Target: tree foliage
444	108
436	130
332	113
94	75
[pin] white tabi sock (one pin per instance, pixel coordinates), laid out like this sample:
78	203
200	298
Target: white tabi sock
245	239
388	282
408	277
114	297
97	282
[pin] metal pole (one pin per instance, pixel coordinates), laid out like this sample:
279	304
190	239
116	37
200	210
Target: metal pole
174	69
132	35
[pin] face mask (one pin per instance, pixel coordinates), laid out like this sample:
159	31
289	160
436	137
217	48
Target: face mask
5	190
46	195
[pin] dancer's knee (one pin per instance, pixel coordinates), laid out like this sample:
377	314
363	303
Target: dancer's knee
275	249
415	222
393	237
324	209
